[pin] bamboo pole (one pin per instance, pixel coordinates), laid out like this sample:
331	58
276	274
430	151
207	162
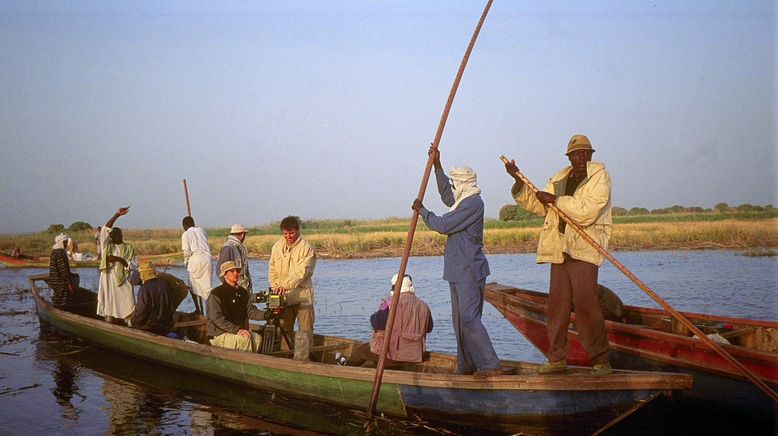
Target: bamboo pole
415	216
679	316
186	194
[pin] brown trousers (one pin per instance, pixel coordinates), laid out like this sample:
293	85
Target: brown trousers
305	318
575	282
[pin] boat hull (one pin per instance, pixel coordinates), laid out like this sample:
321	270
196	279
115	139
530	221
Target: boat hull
716	384
507	403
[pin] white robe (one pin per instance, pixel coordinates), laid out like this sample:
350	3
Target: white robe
197	257
114	300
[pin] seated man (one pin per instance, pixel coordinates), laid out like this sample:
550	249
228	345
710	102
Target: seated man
412	322
229	311
155	309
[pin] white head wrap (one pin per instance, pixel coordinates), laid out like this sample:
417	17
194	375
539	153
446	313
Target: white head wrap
407	285
59	239
464	184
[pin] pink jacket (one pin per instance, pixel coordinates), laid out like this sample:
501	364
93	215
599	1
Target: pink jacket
409	333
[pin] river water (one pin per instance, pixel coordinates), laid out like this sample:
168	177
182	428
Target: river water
54	385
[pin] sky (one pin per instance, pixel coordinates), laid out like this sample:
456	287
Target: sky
326	109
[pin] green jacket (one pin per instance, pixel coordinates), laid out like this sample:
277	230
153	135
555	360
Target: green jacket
589	206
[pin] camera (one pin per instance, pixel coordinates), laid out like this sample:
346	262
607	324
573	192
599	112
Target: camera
272	300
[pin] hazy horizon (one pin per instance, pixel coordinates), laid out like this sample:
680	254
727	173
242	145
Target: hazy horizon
325	110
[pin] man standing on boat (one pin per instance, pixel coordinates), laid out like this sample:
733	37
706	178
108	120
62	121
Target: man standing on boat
464	265
60	278
290	273
197	258
229	311
115	298
234	250
583	191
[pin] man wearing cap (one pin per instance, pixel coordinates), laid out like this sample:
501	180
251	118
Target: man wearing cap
229	311
234	250
290	272
115	298
60	278
197	257
583	191
155	309
464	265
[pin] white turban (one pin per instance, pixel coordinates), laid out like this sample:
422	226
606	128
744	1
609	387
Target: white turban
407	285
464	184
59	239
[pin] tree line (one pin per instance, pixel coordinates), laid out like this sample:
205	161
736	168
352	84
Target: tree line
512	212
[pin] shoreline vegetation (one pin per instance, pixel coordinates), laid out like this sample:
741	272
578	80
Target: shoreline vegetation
754	232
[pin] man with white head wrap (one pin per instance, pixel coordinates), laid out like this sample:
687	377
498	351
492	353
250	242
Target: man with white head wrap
60	278
464	265
413	320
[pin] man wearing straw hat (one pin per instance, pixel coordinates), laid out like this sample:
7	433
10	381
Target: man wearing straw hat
234	250
155	309
583	192
229	311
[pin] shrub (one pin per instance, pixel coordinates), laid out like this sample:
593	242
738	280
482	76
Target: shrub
79	226
56	228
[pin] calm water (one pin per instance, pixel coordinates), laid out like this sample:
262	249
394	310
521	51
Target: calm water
53	385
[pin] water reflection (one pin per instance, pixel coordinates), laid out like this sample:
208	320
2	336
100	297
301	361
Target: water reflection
65	388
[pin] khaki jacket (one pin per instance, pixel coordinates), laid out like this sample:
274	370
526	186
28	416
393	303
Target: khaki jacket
291	267
590	207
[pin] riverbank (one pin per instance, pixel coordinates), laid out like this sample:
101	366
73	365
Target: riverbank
386	238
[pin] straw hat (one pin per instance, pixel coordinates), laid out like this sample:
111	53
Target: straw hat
147	272
236	229
226	266
579	142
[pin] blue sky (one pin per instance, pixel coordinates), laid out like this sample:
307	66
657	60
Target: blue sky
326	109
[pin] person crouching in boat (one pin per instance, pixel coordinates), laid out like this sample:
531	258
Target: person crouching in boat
61	280
582	191
115	298
155	309
412	322
229	311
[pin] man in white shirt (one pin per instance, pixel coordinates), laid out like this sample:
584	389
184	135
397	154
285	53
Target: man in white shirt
197	258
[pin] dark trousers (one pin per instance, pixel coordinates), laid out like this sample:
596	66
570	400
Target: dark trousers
474	348
575	282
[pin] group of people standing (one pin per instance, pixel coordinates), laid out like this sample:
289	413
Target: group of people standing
582	191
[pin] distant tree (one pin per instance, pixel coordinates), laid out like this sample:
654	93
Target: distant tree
618	211
79	225
695	209
56	228
746	208
722	207
638	211
508	212
768	207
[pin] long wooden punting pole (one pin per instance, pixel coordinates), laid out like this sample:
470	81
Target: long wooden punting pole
186	194
415	217
685	321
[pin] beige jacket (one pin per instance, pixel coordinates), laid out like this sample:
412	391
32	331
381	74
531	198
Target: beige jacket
291	267
590	207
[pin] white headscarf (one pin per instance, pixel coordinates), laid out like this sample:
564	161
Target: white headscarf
58	240
407	285
464	184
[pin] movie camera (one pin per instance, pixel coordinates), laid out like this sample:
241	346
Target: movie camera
274	303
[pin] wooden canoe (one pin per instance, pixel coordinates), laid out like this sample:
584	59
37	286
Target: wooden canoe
573	402
651	339
43	262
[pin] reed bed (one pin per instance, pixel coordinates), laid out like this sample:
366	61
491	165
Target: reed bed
387	238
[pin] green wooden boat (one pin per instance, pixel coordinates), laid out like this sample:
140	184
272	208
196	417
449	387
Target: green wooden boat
575	402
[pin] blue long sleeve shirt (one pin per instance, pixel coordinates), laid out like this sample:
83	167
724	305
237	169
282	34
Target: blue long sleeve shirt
464	259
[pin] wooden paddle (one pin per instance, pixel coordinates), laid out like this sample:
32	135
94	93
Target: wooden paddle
415	217
704	338
198	303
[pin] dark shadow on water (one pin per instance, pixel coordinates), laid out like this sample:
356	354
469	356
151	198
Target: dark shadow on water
147	398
